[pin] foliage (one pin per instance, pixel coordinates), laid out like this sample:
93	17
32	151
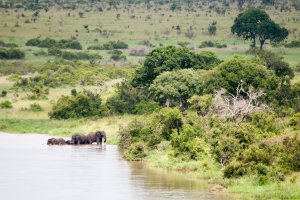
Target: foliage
117	55
208	43
136	152
11	54
201	103
251	71
6	104
293	44
50	43
84	104
255	24
295	121
273	62
177	86
167	59
7	45
212	28
3	93
126	100
111	45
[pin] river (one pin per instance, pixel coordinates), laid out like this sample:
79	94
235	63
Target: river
31	170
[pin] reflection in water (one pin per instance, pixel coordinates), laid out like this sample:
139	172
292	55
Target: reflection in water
32	170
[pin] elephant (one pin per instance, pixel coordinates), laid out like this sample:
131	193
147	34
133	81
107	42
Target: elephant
79	139
96	137
101	135
56	141
69	142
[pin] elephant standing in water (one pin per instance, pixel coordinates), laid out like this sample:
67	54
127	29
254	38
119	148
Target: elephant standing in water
56	141
80	139
96	137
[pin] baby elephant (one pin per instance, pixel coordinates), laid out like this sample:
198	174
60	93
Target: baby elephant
56	141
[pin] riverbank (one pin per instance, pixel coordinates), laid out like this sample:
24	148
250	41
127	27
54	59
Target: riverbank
247	187
65	128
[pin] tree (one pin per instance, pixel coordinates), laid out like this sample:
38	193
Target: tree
251	70
177	86
167	59
272	31
255	23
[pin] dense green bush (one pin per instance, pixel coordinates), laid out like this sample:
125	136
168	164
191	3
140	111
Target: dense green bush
7	45
117	55
136	152
6	104
36	107
11	54
50	43
84	104
208	43
295	121
293	44
234	169
3	93
111	45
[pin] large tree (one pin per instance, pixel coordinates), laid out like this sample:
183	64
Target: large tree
255	24
168	59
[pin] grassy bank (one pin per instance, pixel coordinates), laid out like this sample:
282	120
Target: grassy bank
240	188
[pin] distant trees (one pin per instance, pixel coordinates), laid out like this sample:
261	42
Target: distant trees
255	24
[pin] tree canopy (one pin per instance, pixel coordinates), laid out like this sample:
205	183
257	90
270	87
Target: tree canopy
255	24
168	59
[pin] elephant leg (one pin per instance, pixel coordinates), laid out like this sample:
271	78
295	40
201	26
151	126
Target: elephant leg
97	140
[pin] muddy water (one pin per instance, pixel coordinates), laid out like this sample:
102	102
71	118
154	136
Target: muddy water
29	169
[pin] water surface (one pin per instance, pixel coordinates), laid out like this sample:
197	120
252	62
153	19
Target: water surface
31	170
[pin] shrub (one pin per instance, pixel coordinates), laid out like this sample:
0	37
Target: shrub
84	104
7	45
11	54
3	93
295	120
117	55
293	44
145	107
50	43
6	104
136	152
201	103
212	28
38	91
234	169
209	43
35	107
111	45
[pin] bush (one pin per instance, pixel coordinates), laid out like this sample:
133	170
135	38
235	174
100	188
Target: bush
293	44
145	107
136	152
111	45
295	121
209	43
3	93
84	104
234	170
117	55
6	104
50	43
7	45
11	54
36	107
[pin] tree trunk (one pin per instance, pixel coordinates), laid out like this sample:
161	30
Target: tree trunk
262	42
254	42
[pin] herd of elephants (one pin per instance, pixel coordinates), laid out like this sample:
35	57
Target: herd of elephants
78	139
